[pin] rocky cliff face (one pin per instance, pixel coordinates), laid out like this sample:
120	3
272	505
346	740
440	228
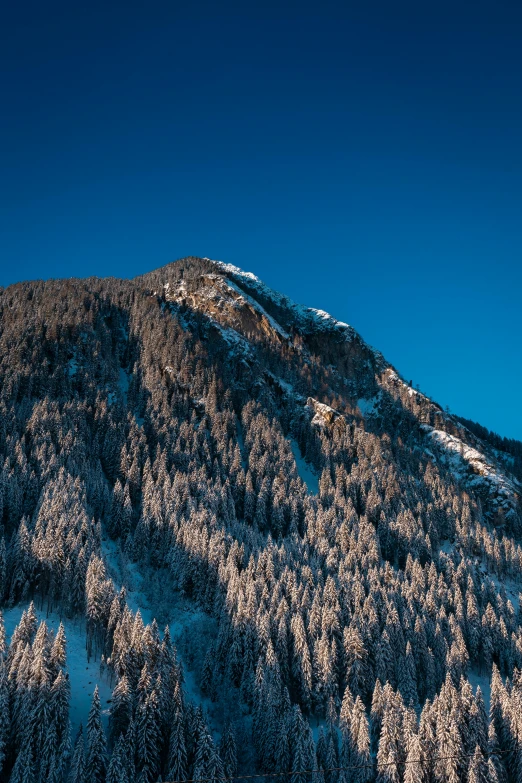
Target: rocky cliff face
231	299
349	378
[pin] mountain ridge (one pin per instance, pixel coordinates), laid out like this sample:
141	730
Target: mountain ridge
309	319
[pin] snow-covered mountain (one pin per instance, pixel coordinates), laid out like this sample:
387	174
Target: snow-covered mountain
334	559
243	309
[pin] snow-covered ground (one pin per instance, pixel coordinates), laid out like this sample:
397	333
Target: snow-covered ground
84	675
179	613
123	382
242	447
303	468
447	547
235	340
511	588
72	367
122	385
484	682
367	406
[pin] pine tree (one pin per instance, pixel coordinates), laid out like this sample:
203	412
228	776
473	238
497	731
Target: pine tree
5	722
60	699
450	753
482	730
48	761
495	761
177	763
345	717
95	765
121	709
356	662
228	751
360	742
331	774
117	771
59	650
148	736
38	708
388	755
321	749
207	763
77	770
3	569
478	768
282	746
407	679
130	751
415	770
24	767
302	758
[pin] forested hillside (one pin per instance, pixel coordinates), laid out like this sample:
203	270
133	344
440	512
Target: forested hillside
277	554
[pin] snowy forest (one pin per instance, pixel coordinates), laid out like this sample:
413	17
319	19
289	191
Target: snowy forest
234	541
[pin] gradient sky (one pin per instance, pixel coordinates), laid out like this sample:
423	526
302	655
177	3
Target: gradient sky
365	158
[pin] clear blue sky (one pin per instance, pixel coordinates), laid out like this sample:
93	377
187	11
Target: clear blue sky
365	158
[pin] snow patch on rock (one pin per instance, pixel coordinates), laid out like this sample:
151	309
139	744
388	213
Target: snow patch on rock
308	318
255	304
470	465
323	414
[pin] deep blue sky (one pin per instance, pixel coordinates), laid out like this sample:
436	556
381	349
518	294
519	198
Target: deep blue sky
365	158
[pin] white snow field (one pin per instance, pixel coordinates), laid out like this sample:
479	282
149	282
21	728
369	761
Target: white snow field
303	468
181	616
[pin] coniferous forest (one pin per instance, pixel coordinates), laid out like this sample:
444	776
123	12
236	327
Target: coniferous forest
275	554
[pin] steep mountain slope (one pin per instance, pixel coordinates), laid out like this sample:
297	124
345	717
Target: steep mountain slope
337	558
239	305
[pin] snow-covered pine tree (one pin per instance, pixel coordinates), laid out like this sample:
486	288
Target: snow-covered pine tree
5	722
121	709
148	736
77	768
478	771
24	767
207	763
177	760
228	751
95	763
117	770
415	770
